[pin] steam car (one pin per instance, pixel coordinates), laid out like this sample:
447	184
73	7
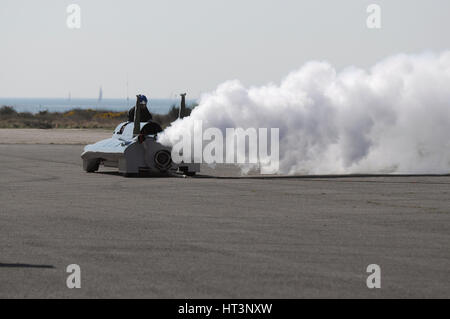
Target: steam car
133	149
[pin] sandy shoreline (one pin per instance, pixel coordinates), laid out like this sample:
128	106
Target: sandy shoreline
53	136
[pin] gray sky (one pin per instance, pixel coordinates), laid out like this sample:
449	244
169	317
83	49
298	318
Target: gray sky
169	46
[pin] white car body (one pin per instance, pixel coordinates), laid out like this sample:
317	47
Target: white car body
134	155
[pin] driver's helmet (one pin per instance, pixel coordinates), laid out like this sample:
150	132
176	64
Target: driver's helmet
142	99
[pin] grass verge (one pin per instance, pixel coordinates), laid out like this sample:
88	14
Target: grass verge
76	118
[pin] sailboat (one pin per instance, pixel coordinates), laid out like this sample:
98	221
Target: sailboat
100	95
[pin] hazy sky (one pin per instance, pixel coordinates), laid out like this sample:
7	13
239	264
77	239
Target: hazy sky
168	46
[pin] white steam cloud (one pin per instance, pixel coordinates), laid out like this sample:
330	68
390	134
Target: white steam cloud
394	118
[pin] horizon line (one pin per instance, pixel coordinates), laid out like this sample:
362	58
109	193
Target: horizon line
92	98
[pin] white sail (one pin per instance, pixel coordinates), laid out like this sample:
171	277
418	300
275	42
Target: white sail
100	95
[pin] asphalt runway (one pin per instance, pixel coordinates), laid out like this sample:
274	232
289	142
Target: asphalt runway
216	236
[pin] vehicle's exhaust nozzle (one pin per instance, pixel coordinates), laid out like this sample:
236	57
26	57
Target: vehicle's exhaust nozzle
182	113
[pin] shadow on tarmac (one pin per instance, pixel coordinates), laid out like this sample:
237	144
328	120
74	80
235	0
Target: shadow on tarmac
26	266
322	176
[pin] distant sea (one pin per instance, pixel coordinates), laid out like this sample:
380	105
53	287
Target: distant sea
36	105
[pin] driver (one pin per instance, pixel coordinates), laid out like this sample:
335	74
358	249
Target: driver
145	114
